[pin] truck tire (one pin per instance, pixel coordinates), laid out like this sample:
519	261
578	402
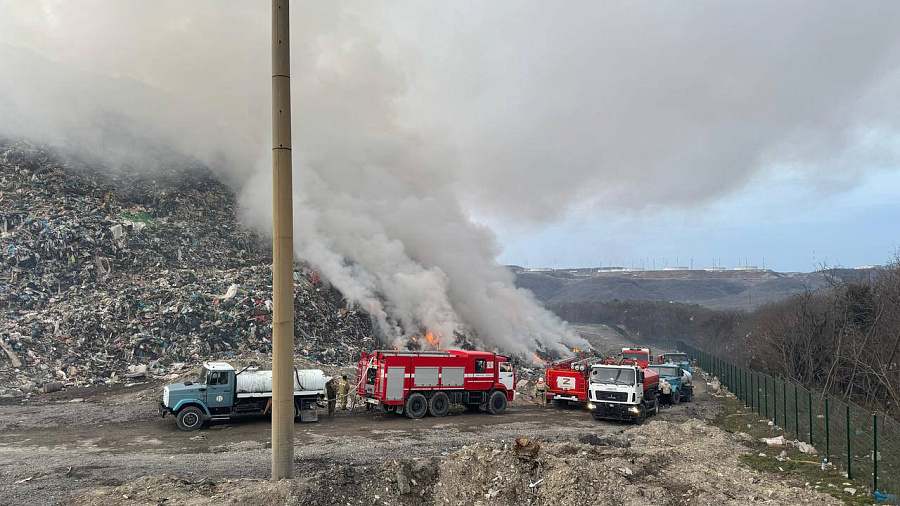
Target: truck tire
689	395
641	416
416	406
439	405
497	403
676	396
190	418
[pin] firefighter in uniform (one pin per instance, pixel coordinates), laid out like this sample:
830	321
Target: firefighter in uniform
540	392
344	391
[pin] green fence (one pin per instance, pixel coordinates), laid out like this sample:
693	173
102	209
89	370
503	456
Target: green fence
863	444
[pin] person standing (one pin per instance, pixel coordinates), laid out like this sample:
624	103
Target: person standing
540	392
344	391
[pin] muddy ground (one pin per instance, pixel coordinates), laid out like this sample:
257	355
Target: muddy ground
109	447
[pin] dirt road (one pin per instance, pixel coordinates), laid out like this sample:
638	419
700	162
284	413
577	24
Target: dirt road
110	447
62	446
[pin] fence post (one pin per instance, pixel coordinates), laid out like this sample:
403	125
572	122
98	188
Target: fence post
875	451
796	414
784	404
809	403
755	397
766	391
775	401
849	472
744	388
754	392
827	432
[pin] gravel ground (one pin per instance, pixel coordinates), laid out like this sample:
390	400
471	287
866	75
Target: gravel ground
106	446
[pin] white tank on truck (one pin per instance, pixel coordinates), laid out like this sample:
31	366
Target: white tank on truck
253	381
221	393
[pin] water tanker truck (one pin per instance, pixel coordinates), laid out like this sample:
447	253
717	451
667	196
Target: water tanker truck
221	393
623	392
677	358
675	383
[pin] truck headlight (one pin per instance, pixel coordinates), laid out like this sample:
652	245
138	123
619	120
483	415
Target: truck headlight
591	406
634	410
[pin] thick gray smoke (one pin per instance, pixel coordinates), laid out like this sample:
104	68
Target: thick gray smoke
411	118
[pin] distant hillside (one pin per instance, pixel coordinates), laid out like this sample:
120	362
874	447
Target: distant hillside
744	290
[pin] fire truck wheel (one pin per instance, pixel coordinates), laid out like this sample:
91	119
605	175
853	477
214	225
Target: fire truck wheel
416	406
497	403
439	405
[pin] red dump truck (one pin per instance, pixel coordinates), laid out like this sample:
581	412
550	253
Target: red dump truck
416	383
567	380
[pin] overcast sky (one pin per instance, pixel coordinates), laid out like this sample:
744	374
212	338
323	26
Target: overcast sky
579	132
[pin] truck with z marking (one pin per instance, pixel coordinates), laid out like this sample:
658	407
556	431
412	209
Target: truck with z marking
416	383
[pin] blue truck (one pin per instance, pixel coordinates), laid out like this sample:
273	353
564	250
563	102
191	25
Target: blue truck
675	383
677	358
221	393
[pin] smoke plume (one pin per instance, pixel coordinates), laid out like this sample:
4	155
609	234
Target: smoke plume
410	119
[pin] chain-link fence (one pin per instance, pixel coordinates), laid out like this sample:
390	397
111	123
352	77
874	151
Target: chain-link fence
864	444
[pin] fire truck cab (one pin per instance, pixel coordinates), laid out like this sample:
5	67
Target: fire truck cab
638	356
415	383
567	380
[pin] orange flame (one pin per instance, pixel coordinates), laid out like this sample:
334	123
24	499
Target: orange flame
434	341
576	350
537	360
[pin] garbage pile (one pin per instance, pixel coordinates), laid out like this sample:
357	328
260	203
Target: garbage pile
112	275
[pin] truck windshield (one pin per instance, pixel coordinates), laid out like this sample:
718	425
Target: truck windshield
676	357
201	378
612	375
666	371
638	356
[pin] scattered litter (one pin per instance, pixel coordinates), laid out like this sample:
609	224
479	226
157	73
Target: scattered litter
773	441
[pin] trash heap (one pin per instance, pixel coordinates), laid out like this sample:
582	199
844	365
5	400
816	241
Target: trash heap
109	275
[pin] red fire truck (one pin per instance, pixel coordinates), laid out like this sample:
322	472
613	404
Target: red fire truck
418	382
637	356
567	380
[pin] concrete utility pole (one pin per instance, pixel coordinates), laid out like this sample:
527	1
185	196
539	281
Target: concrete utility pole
282	249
